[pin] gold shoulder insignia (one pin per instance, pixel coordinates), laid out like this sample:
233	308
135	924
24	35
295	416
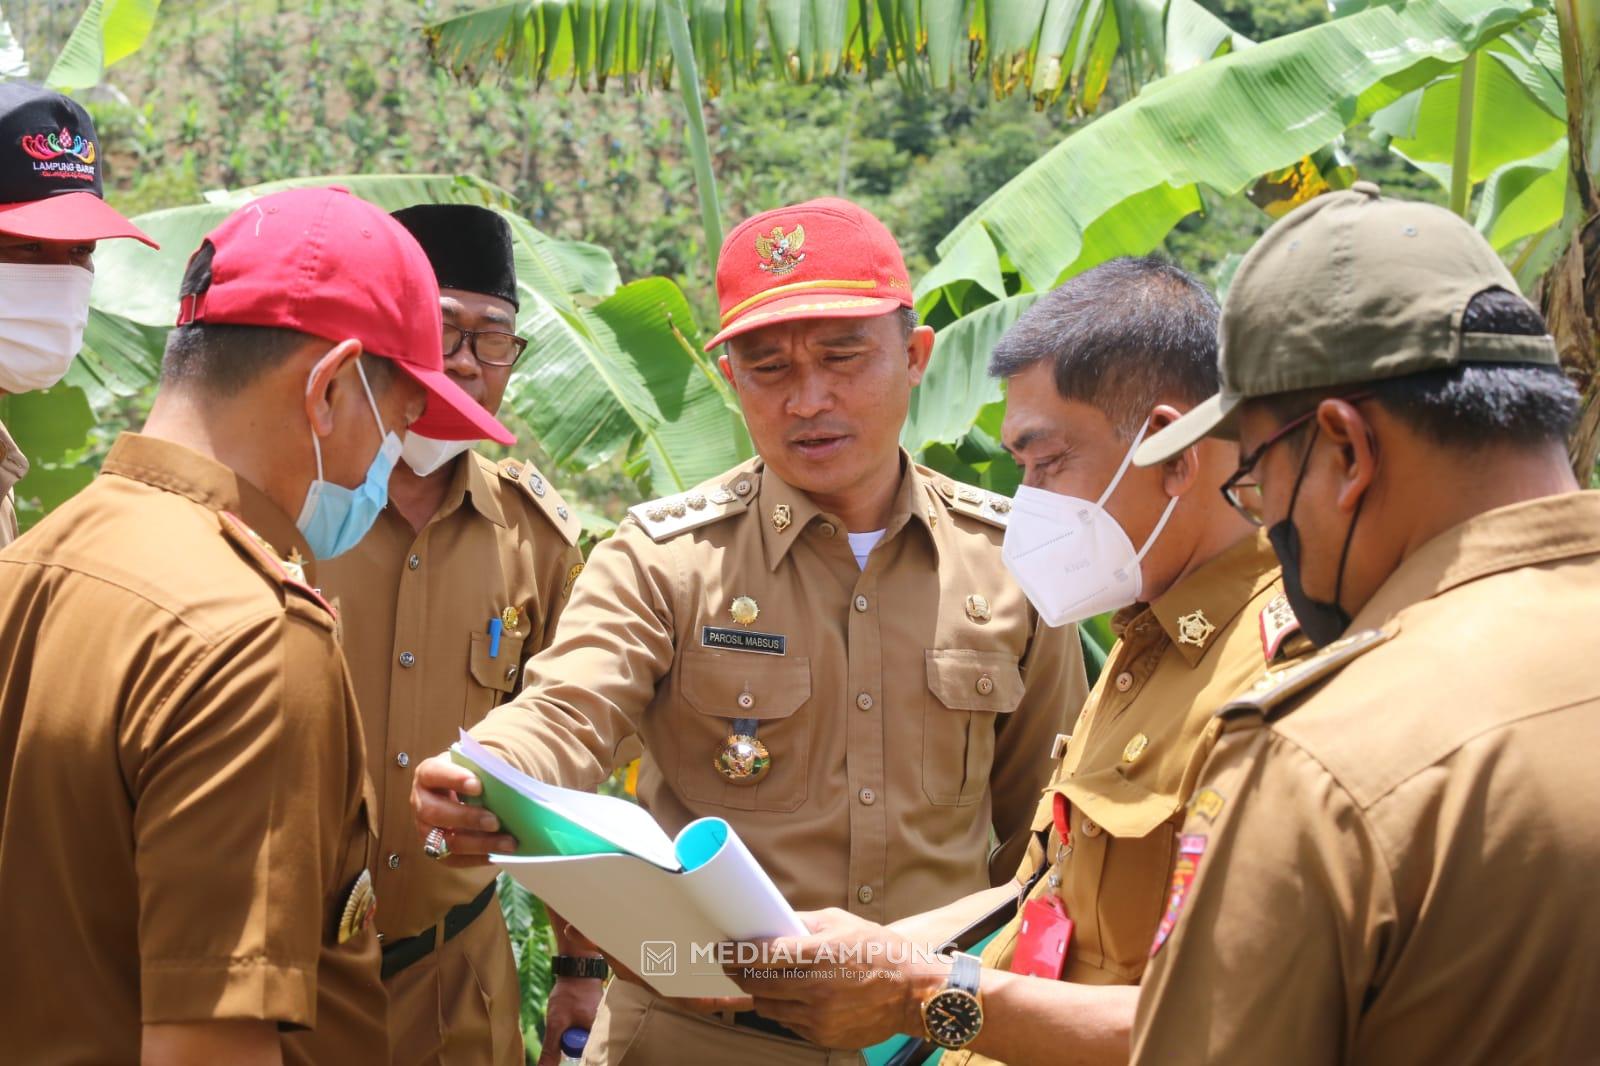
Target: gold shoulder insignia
287	572
1270	696
545	496
986	506
729	494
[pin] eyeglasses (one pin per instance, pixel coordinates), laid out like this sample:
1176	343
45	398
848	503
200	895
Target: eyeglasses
1245	496
491	347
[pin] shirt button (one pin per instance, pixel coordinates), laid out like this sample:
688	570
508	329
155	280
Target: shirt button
402	760
746	700
394	860
415	561
407	660
864	701
828	529
864	893
1124	681
861	603
1090	829
868	796
985	685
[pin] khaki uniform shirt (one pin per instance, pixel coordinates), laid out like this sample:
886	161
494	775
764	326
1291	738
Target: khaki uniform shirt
183	812
1133	757
8	498
908	708
415	609
1396	859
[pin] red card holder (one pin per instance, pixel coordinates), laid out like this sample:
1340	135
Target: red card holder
1043	940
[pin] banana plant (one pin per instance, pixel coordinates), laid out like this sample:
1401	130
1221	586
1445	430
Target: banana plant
108	32
1118	185
1054	50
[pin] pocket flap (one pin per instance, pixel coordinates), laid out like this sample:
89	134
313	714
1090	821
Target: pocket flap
502	672
965	680
713	682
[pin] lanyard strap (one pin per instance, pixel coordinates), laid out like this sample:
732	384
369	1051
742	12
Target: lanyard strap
1060	809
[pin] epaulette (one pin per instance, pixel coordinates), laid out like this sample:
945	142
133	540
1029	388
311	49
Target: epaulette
683	511
1281	638
544	494
288	572
1270	696
973	502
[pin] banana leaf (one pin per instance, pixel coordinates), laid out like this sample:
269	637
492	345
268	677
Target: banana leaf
1134	173
1054	50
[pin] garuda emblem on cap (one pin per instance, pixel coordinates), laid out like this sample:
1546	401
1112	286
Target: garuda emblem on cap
780	252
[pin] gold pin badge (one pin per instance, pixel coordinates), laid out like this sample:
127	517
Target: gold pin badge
744	610
782	517
1135	748
1195	629
978	608
359	907
1208	803
296	565
742	759
572	575
510	618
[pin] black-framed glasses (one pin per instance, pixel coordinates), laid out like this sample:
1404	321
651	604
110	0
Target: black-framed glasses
491	347
1245	496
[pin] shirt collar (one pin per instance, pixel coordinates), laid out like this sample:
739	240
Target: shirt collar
785	512
1207	600
1530	533
474	480
166	465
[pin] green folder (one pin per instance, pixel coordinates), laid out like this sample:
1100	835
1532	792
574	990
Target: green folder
538	829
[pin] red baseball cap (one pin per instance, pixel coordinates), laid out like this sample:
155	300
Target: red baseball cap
50	161
325	262
825	258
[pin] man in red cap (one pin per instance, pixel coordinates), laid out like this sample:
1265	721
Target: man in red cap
821	646
185	815
459	583
51	214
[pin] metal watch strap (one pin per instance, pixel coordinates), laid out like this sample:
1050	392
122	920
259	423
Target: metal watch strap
579	966
965	972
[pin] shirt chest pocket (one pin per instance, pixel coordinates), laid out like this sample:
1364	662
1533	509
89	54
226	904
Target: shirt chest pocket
718	688
968	691
490	678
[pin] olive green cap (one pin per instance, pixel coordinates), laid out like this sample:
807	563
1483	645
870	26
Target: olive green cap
1350	288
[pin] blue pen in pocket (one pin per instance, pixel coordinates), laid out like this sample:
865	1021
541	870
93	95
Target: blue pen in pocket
496	627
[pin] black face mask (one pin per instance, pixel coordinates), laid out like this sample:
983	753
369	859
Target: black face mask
1322	622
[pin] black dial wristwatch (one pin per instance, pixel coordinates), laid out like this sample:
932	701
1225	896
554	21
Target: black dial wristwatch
954	1014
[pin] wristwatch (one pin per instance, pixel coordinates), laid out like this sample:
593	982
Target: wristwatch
579	966
954	1015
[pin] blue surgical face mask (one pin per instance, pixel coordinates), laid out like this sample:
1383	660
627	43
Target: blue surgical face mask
334	518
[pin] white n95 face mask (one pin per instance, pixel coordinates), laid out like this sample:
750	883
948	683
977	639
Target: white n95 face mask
1070	557
424	455
43	312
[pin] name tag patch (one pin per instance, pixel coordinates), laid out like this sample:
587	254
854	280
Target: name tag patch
744	640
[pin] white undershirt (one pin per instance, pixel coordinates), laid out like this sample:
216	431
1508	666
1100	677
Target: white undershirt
861	545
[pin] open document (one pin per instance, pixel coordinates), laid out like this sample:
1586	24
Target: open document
670	910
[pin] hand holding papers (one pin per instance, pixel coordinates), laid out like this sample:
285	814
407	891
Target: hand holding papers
658	905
